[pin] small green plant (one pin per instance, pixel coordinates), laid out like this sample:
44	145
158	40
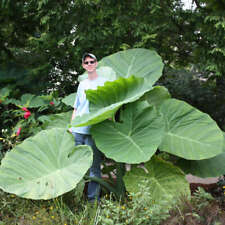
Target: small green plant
140	208
202	197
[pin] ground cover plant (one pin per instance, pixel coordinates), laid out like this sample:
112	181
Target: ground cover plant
139	208
144	119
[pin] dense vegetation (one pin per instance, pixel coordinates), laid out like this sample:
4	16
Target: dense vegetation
41	44
39	37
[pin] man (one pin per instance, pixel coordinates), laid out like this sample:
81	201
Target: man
82	134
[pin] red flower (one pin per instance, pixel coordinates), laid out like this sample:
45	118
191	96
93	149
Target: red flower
25	109
27	114
51	103
18	131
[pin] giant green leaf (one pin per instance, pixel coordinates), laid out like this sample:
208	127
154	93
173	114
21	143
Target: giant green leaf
44	166
139	62
103	71
166	181
190	133
59	120
107	99
212	167
135	139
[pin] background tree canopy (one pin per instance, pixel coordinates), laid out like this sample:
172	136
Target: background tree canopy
42	42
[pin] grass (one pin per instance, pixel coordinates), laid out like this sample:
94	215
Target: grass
201	209
18	211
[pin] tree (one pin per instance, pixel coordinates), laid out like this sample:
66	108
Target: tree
48	38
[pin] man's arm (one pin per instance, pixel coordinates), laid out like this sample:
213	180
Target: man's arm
76	104
74	114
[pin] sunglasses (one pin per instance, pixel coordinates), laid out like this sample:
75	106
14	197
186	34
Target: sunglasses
87	62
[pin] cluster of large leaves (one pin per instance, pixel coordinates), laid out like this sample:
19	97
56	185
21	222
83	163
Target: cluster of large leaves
173	126
37	148
182	130
160	122
170	125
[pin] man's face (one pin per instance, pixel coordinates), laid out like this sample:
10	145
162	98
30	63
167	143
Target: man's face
89	64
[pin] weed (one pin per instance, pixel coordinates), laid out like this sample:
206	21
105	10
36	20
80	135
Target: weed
139	209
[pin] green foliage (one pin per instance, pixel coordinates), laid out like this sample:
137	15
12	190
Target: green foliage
19	79
33	46
202	197
57	211
138	129
43	51
140	209
198	210
28	101
215	53
48	47
212	167
12	115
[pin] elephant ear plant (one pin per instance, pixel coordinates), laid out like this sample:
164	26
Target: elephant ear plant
147	119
